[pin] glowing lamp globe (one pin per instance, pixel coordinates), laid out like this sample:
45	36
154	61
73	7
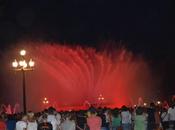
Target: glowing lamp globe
15	64
31	63
158	102
24	64
145	104
21	63
22	52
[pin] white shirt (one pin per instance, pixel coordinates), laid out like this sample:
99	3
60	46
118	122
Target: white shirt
68	125
52	119
126	117
171	113
21	125
58	118
32	126
107	116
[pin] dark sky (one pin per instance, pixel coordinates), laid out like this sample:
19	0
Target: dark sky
145	27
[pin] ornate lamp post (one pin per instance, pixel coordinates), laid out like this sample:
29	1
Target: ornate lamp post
22	65
101	99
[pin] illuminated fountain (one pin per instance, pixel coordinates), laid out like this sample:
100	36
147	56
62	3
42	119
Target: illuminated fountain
8	109
72	76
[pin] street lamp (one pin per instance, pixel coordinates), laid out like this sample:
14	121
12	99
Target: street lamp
158	102
23	65
45	101
101	98
145	104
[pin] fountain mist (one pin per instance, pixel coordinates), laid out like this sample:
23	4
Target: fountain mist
71	76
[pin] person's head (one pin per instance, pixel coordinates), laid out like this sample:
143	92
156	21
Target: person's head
51	110
152	105
3	116
173	105
58	116
92	111
173	99
139	111
24	118
164	110
30	115
44	118
69	116
165	104
115	112
124	108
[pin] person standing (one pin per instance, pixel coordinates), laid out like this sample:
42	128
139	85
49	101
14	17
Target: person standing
171	114
158	124
81	120
68	123
151	117
31	124
116	119
140	120
93	121
22	124
44	125
164	118
51	118
126	118
11	122
2	123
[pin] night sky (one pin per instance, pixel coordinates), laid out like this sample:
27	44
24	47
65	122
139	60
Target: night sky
145	27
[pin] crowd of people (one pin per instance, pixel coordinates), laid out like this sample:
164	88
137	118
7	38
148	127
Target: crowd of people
152	117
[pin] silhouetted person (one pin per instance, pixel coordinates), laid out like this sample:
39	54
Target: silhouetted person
151	117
